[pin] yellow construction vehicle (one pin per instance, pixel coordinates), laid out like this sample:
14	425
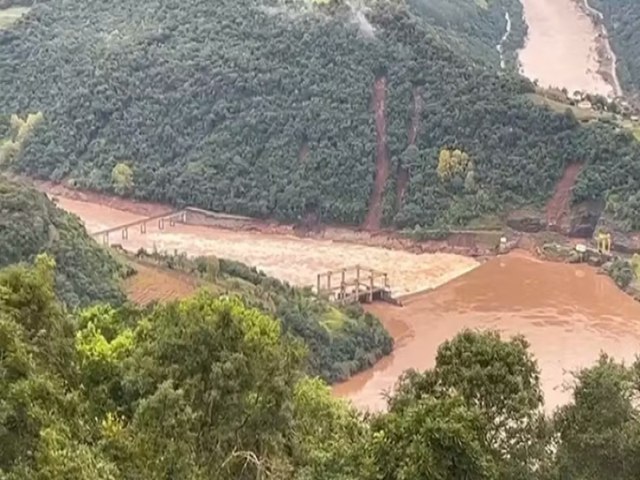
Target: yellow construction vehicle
604	242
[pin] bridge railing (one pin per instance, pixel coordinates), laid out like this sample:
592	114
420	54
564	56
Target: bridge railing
166	216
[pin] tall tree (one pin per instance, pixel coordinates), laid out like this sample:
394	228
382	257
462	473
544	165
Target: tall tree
500	380
599	431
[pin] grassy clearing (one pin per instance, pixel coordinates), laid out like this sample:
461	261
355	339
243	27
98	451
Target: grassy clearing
582	114
151	284
10	15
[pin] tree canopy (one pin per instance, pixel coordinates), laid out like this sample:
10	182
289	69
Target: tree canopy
208	387
31	224
341	340
268	110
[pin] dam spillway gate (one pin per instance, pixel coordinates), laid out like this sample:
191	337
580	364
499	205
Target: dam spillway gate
354	284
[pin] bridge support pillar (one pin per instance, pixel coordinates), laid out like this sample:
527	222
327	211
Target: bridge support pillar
371	288
161	224
172	222
143	227
183	217
105	238
125	233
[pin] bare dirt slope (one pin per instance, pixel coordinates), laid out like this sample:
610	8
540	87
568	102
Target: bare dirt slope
559	205
383	165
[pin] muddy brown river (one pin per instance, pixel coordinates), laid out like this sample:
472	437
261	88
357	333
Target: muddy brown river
568	313
287	257
561	49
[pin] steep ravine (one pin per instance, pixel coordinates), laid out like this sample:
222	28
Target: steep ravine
383	165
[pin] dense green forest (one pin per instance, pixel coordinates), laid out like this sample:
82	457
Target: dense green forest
31	224
211	388
622	18
268	110
341	341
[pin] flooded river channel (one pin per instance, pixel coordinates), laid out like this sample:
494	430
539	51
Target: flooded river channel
287	257
568	313
561	49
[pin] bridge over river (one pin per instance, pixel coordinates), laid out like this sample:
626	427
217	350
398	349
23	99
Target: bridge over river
183	216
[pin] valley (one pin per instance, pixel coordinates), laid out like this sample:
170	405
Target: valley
178	177
567	313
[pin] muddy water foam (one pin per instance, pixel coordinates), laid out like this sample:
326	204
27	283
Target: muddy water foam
296	260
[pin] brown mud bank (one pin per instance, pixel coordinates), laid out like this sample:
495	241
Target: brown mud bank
568	313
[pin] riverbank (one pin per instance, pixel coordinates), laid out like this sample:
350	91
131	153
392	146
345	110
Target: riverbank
479	244
606	56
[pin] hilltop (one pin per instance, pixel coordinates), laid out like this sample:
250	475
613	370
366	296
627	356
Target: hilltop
380	113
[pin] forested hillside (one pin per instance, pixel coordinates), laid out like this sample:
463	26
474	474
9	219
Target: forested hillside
342	112
341	341
622	19
31	224
209	388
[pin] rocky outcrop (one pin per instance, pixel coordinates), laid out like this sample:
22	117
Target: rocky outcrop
585	218
527	222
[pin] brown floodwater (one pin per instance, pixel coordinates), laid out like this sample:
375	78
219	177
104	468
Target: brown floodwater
287	257
568	313
561	49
